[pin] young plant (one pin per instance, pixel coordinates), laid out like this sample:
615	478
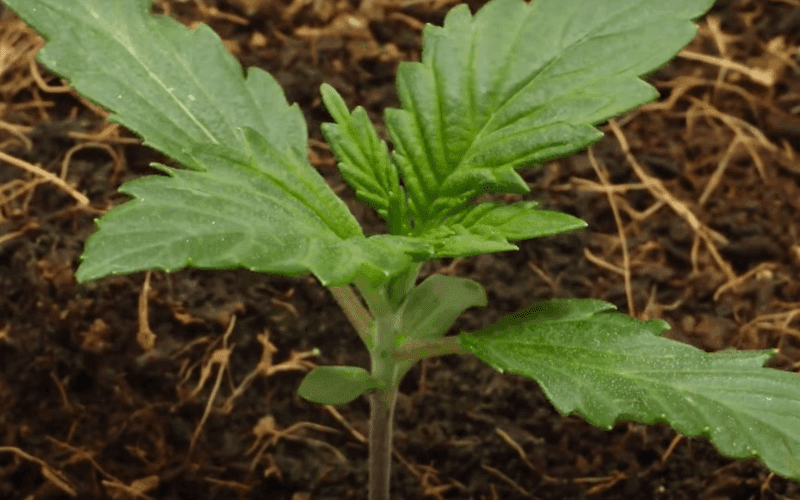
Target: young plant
512	86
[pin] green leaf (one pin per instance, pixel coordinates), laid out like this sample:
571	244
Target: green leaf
491	227
242	210
251	200
431	308
336	385
519	84
399	286
364	160
174	87
607	367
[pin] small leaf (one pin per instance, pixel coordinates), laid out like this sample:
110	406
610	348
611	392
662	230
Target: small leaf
431	307
398	287
492	227
364	161
607	367
336	385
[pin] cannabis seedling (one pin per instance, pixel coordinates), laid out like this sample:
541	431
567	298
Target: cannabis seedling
512	86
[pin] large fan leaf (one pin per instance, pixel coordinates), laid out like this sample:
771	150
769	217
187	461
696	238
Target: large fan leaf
253	199
520	84
236	213
606	366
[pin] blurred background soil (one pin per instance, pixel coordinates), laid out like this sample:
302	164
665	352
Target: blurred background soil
692	206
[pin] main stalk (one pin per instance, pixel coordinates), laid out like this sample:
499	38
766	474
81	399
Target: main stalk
381	418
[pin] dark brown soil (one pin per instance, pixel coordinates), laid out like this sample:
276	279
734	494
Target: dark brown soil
708	211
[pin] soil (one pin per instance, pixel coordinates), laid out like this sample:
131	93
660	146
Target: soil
698	226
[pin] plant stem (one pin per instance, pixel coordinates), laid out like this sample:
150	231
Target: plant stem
355	311
420	349
378	329
382	403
